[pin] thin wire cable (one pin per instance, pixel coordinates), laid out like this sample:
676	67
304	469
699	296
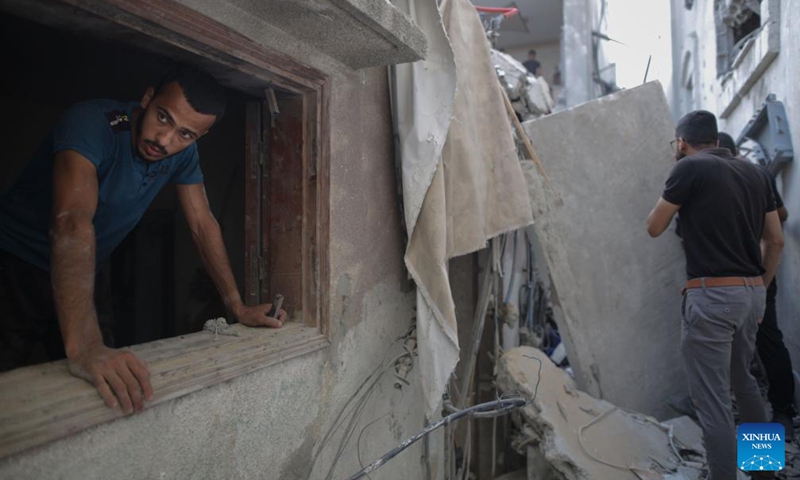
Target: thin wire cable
494	447
357	411
632	468
359	408
465	464
483	410
358	442
369	383
493	406
538	376
360	390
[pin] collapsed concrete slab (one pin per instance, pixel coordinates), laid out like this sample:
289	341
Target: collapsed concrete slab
574	436
617	291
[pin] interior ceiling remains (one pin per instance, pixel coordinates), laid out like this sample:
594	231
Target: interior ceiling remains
542	18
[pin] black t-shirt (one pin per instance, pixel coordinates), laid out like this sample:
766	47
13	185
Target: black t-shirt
774	185
723	203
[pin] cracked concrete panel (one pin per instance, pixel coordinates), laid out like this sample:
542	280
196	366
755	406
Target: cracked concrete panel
574	436
617	291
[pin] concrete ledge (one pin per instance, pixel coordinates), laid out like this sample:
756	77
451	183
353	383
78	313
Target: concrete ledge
44	402
358	33
386	20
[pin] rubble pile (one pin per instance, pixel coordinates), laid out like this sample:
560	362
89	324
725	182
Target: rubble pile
568	434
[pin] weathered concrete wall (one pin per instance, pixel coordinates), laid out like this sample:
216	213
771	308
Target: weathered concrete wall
581	17
268	424
693	32
616	290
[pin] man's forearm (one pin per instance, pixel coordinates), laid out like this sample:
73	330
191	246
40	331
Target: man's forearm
73	277
770	254
215	258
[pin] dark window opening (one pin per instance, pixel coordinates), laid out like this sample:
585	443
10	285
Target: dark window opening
736	22
158	286
746	27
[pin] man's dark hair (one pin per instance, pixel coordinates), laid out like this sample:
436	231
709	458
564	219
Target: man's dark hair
531	52
202	92
698	128
726	141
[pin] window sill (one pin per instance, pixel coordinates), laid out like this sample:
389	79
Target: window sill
749	66
44	402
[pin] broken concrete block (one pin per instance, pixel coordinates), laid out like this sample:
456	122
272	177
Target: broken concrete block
617	291
579	436
687	433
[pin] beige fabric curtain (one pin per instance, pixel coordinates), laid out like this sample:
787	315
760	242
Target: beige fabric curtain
460	193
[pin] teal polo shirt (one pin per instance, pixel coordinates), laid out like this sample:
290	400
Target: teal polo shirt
100	130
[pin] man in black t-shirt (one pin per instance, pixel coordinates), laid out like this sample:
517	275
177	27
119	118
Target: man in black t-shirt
769	339
729	224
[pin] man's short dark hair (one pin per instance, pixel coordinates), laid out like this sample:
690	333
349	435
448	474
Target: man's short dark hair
531	52
201	90
726	141
698	128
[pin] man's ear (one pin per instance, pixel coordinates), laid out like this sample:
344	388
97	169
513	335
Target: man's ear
148	97
684	147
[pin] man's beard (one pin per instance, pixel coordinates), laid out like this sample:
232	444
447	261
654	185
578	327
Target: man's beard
155	145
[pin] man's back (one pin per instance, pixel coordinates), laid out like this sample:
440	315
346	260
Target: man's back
723	203
727	215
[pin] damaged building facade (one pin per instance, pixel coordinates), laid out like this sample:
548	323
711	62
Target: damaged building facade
325	155
321	147
260	403
569	37
737	59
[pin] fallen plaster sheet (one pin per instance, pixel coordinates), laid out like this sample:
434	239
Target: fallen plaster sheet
578	436
460	194
616	290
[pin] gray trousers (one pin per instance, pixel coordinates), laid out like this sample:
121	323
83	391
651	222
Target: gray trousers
718	343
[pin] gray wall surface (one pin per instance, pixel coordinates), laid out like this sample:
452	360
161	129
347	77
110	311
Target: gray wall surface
693	33
581	18
617	291
268	424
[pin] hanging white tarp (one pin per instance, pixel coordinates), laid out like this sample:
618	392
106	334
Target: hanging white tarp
462	181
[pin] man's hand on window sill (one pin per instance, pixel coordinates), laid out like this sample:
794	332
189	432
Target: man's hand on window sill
119	376
257	316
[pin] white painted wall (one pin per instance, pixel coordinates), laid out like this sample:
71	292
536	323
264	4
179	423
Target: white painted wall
694	42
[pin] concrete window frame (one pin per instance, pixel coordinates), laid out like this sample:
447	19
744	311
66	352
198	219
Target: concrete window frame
688	79
43	403
750	64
